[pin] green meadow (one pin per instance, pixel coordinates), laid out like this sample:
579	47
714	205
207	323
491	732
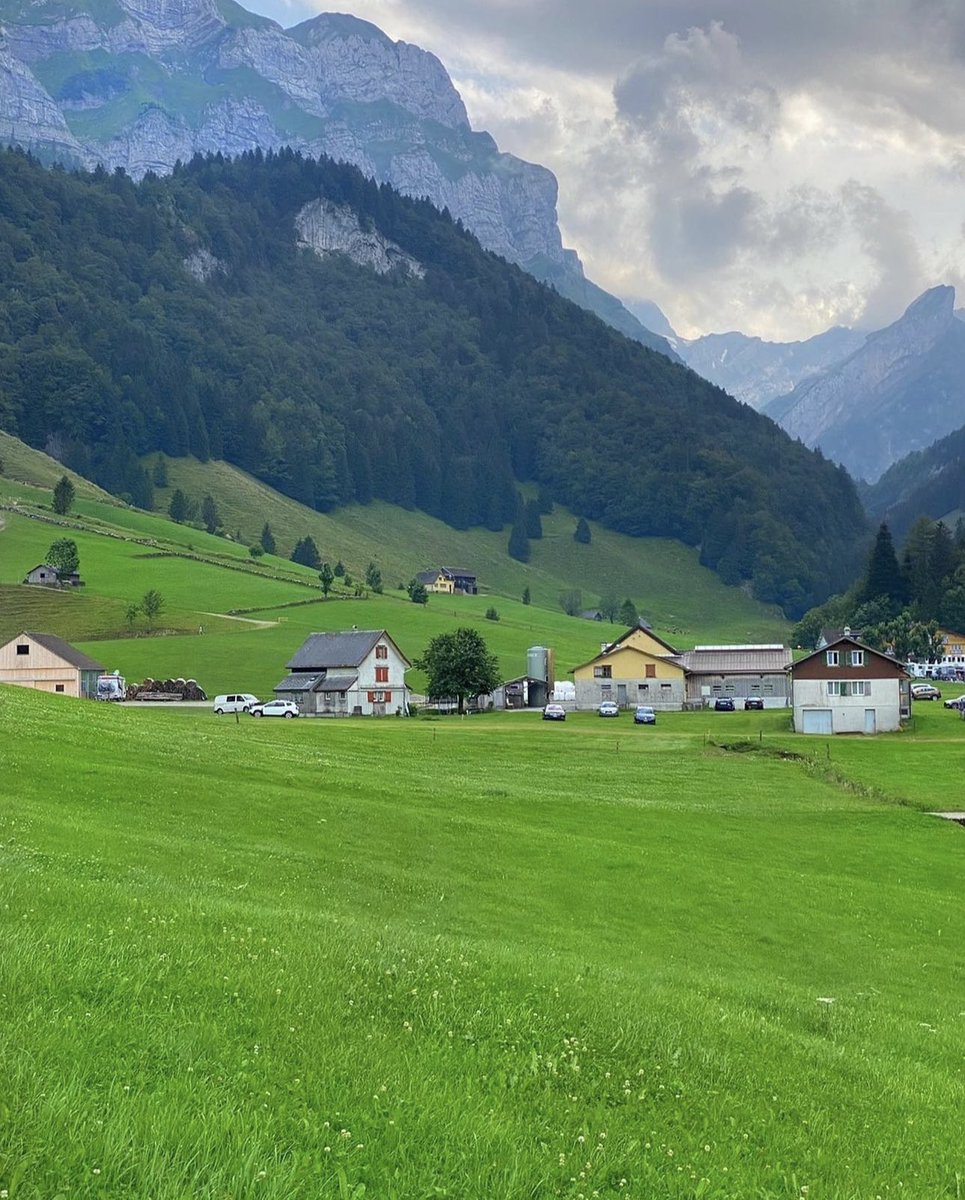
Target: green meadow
487	957
232	621
484	957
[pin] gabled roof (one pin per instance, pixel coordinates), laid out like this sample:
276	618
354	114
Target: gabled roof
57	645
645	628
733	660
322	651
849	641
458	571
42	567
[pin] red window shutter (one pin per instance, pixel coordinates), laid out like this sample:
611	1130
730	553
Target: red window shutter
388	697
371	696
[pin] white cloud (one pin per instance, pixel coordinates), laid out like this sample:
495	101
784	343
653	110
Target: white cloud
744	163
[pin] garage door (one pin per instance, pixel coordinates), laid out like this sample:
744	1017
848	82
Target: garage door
816	720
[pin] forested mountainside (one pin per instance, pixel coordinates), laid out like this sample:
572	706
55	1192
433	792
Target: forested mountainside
143	84
182	314
927	483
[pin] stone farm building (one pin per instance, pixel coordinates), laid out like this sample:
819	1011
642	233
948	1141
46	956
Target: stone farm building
49	664
358	672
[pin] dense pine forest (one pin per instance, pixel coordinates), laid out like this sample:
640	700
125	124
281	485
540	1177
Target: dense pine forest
336	385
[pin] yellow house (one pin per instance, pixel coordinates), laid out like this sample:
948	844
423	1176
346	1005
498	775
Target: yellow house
954	655
49	664
638	668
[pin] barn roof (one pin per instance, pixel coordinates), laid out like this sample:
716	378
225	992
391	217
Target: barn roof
57	645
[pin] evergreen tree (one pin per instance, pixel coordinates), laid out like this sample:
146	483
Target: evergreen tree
326	577
178	508
531	517
63	497
267	539
160	472
582	532
373	578
209	514
628	613
526	595
306	553
339	569
418	592
518	543
883	576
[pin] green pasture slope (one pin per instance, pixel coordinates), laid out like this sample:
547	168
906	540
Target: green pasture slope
474	958
256	612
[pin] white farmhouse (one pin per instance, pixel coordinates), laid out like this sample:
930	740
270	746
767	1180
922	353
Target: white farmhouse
847	687
358	672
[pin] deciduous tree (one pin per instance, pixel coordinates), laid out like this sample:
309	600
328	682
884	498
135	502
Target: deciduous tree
459	664
63	498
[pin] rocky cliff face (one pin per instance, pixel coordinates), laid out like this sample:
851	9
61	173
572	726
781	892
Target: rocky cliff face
328	228
901	391
142	83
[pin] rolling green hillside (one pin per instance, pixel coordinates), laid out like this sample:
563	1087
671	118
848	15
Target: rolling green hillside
492	958
255	612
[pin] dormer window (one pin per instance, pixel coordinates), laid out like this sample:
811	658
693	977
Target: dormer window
857	658
381	651
832	656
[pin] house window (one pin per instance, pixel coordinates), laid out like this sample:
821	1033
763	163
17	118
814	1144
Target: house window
729	689
849	687
832	657
857	658
651	671
605	690
665	687
381	651
381	674
378	697
834	687
59	687
644	687
602	672
23	649
768	689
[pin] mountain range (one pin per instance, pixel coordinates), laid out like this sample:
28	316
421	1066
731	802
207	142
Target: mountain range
143	84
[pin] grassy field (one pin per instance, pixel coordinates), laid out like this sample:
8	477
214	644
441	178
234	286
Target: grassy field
253	612
476	958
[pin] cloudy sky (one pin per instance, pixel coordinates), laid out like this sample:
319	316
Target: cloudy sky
775	166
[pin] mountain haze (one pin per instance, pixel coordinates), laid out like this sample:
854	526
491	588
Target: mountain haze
903	389
142	84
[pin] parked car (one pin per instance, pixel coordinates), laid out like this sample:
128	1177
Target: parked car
958	702
724	704
275	708
234	702
609	709
554	712
643	714
754	702
925	691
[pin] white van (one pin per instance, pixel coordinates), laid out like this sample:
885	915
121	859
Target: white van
234	702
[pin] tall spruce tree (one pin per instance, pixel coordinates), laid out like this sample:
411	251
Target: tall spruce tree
582	532
883	576
519	543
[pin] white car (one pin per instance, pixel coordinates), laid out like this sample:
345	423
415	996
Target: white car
275	708
554	712
609	709
234	702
